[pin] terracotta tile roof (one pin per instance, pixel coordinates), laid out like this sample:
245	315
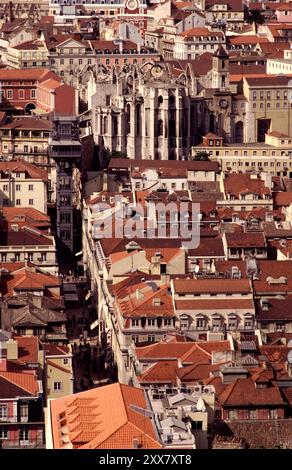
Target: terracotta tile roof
56	350
237	184
25	279
24	237
282	198
214	304
245	240
161	372
269	80
148	303
247	39
243	392
33	74
92	424
275	353
162	350
191	165
233	5
28	348
190	286
29	123
30	170
197	32
208	247
195	372
25	383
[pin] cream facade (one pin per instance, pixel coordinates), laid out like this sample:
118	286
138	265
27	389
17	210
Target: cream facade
59	375
18	189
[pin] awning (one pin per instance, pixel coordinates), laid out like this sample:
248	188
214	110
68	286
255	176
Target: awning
94	324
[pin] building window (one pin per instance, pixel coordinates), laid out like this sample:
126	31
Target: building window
135	322
30	202
57	386
23	434
43	256
17	257
21	94
18	187
151	321
30	187
30	256
3	257
24	410
32	93
9	94
65	361
151	339
3	411
273	414
3	433
232	414
18	202
253	414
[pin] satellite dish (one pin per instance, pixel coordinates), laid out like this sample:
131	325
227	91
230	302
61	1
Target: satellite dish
289	357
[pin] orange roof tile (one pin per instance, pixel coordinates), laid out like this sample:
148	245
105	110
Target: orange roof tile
92	424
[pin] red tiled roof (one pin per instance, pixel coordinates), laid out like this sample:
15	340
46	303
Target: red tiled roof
27	382
28	348
30	123
243	392
214	304
25	279
92	424
246	240
56	350
197	32
190	286
31	171
161	372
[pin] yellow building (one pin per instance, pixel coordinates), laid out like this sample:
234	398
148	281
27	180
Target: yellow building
59	375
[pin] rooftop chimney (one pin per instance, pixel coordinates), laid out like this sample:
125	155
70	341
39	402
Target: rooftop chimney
10	12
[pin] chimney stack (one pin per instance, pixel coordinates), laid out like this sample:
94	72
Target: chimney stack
10	12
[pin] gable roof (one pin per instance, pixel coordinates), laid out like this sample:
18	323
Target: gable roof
92	424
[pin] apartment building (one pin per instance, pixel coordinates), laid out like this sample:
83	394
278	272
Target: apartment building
217	305
193	42
269	106
230	13
23	184
274	156
30	54
35	89
26	138
69	57
21	411
59	378
281	65
243	192
29	245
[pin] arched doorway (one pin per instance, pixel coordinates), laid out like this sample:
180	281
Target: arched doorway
29	107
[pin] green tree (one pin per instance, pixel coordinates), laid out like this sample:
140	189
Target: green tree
255	17
201	156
